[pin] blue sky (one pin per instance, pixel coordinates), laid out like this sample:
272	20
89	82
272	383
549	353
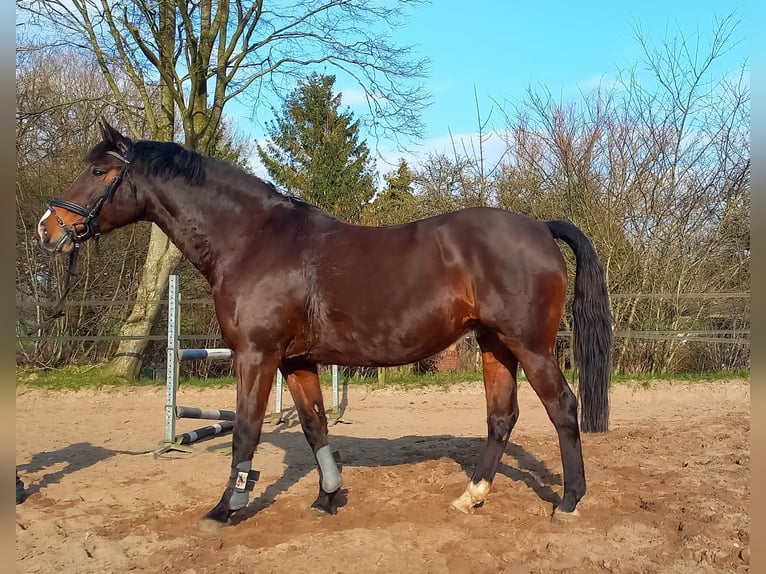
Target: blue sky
500	48
503	47
496	50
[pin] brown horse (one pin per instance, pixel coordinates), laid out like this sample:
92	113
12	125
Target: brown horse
294	287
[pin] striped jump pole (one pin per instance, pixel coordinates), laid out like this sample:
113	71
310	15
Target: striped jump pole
225	418
175	355
335	411
210	414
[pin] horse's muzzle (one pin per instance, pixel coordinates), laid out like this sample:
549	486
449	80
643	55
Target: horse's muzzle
62	244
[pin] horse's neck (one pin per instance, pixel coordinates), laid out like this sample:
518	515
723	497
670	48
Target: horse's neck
198	221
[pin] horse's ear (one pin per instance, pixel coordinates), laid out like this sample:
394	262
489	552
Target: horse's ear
110	134
105	128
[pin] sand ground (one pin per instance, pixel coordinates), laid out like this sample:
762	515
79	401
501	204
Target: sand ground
668	487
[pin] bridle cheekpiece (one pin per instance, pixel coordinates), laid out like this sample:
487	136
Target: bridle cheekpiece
92	229
90	222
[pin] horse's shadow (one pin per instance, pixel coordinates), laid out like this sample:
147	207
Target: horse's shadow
77	456
299	461
379	452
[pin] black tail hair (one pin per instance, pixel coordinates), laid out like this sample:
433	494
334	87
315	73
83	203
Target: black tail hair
592	328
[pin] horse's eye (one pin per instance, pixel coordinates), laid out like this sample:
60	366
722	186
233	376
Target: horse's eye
97	172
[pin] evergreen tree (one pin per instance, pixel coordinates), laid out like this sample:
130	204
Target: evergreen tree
314	152
396	203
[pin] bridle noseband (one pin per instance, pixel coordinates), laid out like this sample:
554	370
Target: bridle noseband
90	222
70	232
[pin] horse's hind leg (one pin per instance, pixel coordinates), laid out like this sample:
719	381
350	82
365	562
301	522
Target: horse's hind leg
303	382
499	366
255	375
549	383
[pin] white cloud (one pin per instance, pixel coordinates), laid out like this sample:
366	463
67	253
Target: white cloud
353	97
599	82
466	144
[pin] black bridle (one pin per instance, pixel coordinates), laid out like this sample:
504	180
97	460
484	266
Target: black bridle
90	222
77	238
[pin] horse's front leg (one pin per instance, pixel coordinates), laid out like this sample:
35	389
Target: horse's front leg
303	382
255	375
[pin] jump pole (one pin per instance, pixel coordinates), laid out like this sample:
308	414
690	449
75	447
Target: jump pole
175	355
225	417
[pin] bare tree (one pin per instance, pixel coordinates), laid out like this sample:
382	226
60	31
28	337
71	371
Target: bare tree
205	54
655	176
57	97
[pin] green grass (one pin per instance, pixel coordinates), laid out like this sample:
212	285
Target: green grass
77	378
688	377
98	377
406	380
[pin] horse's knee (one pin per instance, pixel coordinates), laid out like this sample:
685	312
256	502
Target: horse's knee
568	402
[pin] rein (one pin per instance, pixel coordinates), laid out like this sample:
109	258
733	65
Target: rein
58	310
92	229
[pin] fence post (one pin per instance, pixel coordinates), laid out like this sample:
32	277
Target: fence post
276	416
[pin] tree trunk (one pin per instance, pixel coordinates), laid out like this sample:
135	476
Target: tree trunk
162	257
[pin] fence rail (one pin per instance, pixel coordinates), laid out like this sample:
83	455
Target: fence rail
671	332
730	336
208	301
719	336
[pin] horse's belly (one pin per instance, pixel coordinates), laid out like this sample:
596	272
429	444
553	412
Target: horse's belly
385	342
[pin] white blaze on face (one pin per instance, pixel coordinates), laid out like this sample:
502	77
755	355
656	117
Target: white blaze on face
40	228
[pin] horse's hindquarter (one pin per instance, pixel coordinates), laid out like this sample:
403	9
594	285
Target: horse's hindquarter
399	294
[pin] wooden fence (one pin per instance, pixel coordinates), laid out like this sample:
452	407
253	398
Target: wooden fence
665	332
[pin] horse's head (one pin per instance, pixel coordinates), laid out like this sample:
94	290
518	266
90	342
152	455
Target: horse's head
102	197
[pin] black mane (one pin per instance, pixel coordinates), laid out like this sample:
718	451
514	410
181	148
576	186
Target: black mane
169	160
160	159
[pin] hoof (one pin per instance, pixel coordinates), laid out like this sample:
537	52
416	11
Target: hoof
324	505
473	497
564	516
219	514
465	504
460	506
322	510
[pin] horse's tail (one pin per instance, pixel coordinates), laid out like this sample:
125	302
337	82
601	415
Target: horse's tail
592	328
